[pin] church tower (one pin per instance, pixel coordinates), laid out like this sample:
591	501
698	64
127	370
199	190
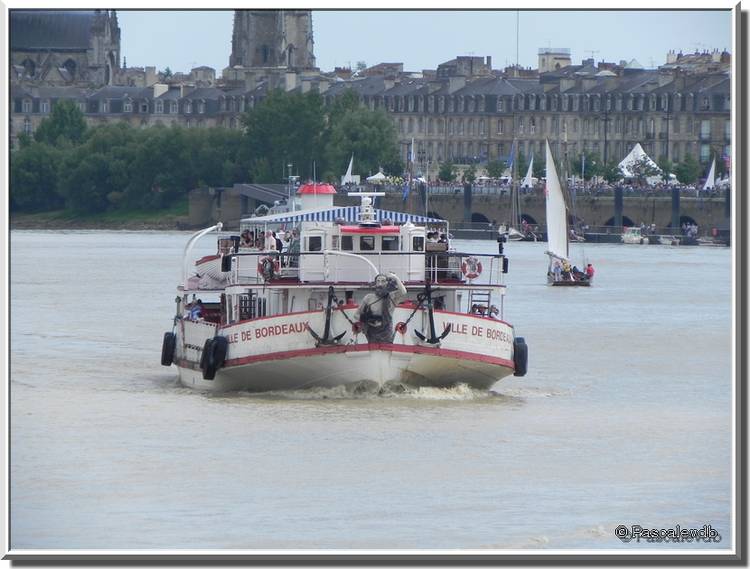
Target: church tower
273	38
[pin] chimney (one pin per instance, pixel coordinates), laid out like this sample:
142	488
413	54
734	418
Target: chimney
489	62
151	77
671	56
160	89
715	56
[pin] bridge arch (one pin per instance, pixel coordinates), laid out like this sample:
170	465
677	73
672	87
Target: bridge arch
684	219
626	222
477	217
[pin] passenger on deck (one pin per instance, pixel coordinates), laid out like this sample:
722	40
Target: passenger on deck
270	243
196	310
557	270
293	249
246	240
590	271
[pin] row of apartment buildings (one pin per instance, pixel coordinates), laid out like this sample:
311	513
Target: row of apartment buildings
463	111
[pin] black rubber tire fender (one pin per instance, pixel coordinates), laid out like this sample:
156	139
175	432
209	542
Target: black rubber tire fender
167	348
206	351
520	357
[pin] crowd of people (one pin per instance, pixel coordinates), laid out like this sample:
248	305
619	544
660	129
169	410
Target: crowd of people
285	244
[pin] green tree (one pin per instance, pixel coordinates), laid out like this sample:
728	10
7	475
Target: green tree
286	128
85	182
33	178
370	136
591	167
688	170
667	168
642	169
65	122
447	172
495	168
611	172
470	174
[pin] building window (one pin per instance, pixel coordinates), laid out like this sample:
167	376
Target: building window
471	126
188	107
532	125
103	106
159	107
499	105
705	104
500	126
481	127
173	107
44	107
460	126
127	106
705	152
82	106
705	130
26	105
201	107
144	107
27	125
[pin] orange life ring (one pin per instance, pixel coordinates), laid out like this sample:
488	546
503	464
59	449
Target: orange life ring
262	266
471	267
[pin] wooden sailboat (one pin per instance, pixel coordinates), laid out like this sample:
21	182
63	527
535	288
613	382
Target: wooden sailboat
559	271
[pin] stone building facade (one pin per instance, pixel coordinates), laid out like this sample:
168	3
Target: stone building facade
272	38
64	48
464	111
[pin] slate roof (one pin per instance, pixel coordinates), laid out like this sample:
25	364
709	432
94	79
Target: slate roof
50	29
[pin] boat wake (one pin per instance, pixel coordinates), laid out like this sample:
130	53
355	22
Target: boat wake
396	391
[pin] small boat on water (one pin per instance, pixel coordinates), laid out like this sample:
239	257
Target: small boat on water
352	299
634	236
560	271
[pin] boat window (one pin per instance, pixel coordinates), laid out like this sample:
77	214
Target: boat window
417	244
367	243
315	243
347	243
390	243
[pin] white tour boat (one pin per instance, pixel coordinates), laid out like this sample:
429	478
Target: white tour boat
352	299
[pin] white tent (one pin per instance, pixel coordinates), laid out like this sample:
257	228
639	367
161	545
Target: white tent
377	178
636	155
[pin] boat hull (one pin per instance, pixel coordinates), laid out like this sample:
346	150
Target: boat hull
280	353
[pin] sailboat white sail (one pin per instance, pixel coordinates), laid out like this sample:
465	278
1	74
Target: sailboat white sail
711	179
527	182
348	178
557	232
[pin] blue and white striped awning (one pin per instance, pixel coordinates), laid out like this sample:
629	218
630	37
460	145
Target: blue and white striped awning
347	213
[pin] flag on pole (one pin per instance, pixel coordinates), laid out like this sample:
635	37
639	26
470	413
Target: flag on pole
512	154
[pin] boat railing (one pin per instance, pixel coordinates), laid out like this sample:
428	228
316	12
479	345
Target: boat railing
334	266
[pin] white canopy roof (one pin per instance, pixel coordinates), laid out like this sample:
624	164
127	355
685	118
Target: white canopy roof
636	155
348	213
379	177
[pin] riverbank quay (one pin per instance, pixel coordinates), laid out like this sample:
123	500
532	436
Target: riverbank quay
168	220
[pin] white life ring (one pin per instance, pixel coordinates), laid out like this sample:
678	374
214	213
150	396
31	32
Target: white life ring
471	267
262	270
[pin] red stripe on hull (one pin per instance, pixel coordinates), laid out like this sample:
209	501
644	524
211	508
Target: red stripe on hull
311	352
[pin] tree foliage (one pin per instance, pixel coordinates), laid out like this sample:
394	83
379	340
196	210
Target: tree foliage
447	172
495	168
688	170
65	122
33	178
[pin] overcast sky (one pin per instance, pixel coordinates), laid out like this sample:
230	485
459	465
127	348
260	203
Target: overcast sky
423	39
